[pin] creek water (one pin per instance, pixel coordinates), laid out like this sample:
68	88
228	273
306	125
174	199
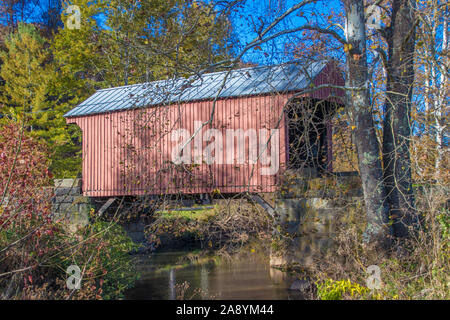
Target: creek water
246	276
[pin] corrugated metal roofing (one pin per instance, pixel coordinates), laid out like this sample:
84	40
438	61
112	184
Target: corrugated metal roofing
242	82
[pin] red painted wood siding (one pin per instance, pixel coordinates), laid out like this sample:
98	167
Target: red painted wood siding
129	152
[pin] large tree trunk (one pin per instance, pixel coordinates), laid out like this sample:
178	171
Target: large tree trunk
397	122
439	114
364	135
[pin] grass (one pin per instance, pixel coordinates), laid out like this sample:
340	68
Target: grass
189	215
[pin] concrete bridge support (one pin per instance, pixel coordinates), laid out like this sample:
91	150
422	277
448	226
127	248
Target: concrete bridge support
309	212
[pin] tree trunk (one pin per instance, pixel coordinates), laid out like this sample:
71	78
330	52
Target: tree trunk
440	102
397	121
364	135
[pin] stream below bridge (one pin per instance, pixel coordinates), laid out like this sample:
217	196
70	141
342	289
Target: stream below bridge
166	275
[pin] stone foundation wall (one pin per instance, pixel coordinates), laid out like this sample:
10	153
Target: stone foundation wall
69	203
309	214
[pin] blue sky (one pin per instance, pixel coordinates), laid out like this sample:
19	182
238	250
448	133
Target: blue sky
253	12
246	20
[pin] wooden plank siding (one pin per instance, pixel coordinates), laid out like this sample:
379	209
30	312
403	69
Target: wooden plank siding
128	152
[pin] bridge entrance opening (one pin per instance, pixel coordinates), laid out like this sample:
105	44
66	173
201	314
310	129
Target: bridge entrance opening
309	134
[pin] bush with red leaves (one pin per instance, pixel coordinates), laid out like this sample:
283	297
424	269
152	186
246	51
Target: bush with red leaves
36	249
24	175
26	227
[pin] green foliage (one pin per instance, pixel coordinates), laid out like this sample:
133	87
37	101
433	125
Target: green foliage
102	250
330	289
27	73
66	157
160	39
77	54
441	269
199	215
31	90
120	273
444	222
145	41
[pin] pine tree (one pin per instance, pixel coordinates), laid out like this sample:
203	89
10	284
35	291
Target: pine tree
29	90
26	71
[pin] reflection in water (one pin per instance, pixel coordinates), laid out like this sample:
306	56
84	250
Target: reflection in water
204	282
172	293
241	278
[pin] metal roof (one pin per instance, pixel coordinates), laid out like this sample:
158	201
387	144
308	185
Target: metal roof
241	82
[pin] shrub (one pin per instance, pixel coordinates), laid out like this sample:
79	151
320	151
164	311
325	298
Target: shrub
35	248
415	268
102	250
330	289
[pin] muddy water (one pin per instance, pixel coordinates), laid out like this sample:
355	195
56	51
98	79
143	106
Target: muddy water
209	277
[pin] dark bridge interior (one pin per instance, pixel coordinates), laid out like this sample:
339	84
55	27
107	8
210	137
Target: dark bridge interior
309	132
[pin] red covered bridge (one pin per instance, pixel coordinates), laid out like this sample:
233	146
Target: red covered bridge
222	131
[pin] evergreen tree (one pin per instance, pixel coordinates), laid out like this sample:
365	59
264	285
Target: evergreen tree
26	72
30	90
